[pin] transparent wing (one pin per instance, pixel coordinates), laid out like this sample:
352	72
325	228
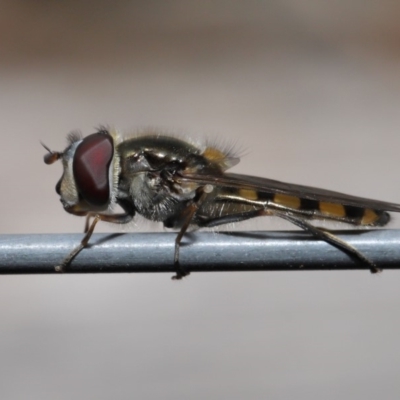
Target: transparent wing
265	185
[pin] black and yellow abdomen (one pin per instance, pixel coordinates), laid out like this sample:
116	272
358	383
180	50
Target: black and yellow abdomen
307	208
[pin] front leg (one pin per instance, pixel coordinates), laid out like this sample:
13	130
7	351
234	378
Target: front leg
114	218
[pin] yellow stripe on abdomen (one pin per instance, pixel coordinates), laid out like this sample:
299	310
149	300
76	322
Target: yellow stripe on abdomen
332	209
248	194
287	201
370	217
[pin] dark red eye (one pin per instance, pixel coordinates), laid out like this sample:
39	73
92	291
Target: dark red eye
90	167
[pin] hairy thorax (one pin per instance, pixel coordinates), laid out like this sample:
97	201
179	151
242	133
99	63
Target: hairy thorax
155	198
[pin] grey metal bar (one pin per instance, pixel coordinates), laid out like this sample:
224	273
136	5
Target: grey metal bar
204	251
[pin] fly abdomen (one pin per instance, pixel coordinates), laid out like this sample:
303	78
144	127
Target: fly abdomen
307	208
350	214
367	216
336	211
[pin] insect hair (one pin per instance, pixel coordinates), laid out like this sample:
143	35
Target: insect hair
74	136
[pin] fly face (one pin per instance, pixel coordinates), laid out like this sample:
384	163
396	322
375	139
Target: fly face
89	179
180	184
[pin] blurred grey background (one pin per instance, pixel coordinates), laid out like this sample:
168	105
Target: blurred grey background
310	90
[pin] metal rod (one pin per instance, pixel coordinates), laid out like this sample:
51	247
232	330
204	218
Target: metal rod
237	251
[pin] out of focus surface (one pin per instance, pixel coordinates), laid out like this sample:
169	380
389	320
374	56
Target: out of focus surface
309	90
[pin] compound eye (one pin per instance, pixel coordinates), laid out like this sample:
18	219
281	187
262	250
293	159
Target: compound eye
90	167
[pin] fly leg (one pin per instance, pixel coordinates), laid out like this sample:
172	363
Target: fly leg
186	218
329	238
115	218
67	260
87	223
301	223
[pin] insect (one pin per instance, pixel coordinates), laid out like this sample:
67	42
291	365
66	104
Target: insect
180	184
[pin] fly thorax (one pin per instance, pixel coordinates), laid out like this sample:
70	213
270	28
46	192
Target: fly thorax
155	199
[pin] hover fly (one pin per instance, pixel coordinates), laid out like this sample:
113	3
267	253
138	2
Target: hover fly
180	184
